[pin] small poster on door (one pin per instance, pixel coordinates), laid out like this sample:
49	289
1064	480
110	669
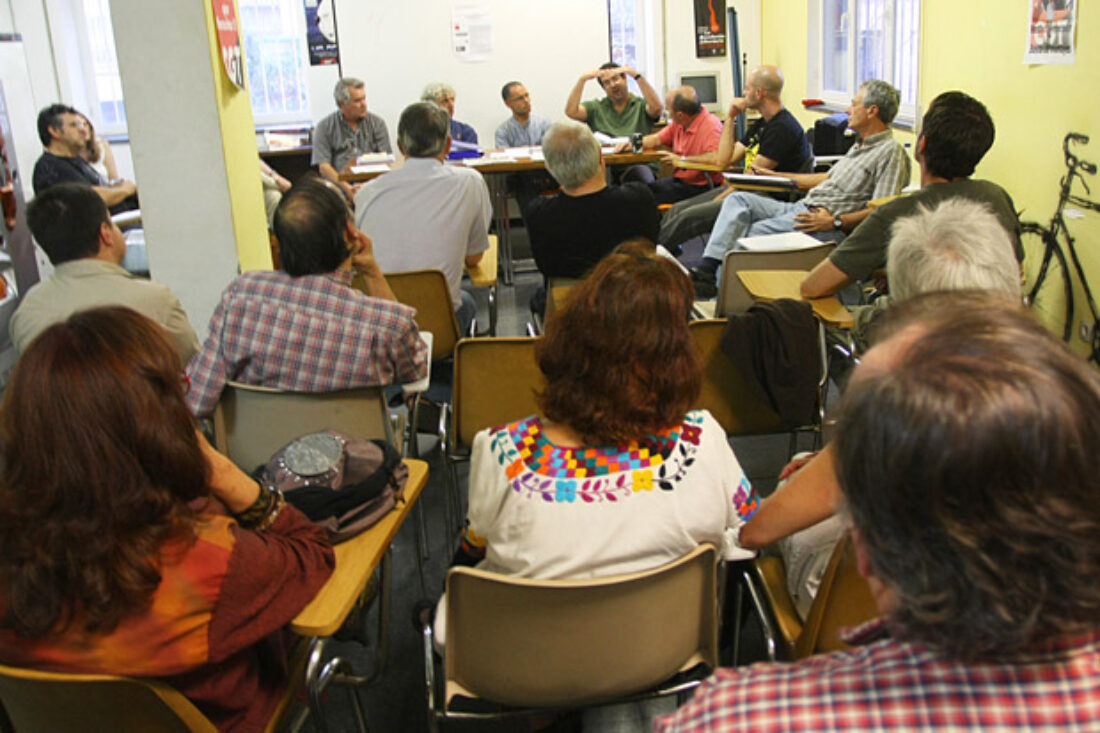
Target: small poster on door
710	28
1051	29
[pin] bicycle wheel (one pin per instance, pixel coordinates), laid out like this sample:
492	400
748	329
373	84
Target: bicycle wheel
1047	282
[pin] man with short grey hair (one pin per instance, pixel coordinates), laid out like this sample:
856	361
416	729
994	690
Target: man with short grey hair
875	167
572	231
427	215
444	95
344	135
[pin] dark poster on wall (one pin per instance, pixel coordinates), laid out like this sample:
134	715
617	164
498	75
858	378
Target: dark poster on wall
321	32
710	28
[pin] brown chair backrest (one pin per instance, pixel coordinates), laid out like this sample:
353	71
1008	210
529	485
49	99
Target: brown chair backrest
494	383
86	703
733	297
557	643
725	393
843	599
427	291
251	423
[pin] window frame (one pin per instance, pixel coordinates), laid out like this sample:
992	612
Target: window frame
70	34
908	111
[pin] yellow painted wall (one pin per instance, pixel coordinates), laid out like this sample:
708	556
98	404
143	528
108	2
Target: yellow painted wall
241	161
978	46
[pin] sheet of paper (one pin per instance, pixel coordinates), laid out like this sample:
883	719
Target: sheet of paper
778	242
373	168
471	31
368	158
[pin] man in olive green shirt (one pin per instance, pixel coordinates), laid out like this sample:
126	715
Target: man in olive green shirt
619	113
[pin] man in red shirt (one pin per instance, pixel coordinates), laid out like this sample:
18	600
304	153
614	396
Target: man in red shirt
692	130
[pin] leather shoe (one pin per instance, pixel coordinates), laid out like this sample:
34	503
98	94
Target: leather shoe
705	290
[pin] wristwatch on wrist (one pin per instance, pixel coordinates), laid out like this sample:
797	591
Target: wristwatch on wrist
637	77
838	223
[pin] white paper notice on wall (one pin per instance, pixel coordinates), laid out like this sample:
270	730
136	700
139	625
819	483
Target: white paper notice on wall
471	31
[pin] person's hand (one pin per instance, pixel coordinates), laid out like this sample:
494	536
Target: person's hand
282	183
624	147
726	191
129	187
362	253
817	219
753	170
669	157
590	75
231	485
629	71
737	107
796	464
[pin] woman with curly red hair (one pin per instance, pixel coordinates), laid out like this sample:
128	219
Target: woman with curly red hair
127	544
618	473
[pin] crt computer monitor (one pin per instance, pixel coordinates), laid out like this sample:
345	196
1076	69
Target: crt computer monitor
706	86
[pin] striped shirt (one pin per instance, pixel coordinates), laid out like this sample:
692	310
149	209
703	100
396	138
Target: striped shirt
875	167
888	684
313	333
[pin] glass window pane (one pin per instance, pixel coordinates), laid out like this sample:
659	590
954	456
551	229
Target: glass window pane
834	46
274	48
871	41
101	43
623	43
906	48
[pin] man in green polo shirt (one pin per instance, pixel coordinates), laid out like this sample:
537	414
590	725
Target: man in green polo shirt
620	113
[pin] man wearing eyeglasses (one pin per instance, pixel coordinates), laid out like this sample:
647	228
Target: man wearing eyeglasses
64	134
522	129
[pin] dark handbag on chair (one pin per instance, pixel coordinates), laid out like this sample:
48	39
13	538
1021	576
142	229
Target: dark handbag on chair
342	483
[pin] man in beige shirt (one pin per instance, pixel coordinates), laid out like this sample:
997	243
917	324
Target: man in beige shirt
71	223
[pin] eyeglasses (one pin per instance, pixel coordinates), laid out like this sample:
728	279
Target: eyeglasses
522	96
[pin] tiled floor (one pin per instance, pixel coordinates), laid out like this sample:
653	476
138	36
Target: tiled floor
397	701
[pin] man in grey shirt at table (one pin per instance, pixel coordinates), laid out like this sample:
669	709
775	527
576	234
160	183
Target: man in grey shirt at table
522	129
347	133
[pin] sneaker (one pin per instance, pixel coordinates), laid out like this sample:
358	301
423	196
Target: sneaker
705	290
701	274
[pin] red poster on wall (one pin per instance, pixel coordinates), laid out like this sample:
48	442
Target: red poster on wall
229	40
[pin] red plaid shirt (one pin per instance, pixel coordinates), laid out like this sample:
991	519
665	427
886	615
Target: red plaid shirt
313	333
887	684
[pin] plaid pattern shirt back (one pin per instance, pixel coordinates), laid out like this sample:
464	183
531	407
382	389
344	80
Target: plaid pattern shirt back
313	333
872	168
887	684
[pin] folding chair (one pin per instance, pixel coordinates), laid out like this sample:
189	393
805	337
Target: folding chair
568	653
733	297
251	423
494	383
843	599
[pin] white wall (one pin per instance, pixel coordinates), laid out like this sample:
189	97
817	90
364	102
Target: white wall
398	48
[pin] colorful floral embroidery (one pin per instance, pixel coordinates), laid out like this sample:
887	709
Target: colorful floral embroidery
745	500
561	474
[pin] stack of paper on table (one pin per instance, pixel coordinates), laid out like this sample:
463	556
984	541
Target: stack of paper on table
372	168
371	158
778	242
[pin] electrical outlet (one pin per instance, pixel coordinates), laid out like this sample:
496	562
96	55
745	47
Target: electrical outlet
1086	331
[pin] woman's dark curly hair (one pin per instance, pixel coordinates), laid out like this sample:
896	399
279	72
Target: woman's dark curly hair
100	458
618	359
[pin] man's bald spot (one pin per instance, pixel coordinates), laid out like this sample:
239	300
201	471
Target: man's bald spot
769	79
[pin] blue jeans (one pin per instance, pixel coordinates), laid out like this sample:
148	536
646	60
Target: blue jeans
466	312
747	214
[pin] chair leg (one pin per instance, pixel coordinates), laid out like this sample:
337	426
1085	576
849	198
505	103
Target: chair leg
423	551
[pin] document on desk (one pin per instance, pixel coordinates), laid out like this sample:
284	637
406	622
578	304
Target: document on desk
371	168
778	242
369	158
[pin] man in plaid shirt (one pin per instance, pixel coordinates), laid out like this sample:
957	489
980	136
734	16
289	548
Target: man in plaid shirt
874	167
966	454
305	328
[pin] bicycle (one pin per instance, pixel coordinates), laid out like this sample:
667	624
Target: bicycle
1049	301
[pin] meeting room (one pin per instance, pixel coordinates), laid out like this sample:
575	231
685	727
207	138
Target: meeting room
592	365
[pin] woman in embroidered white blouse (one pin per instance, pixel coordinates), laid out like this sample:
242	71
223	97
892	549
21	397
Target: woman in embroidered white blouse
618	474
